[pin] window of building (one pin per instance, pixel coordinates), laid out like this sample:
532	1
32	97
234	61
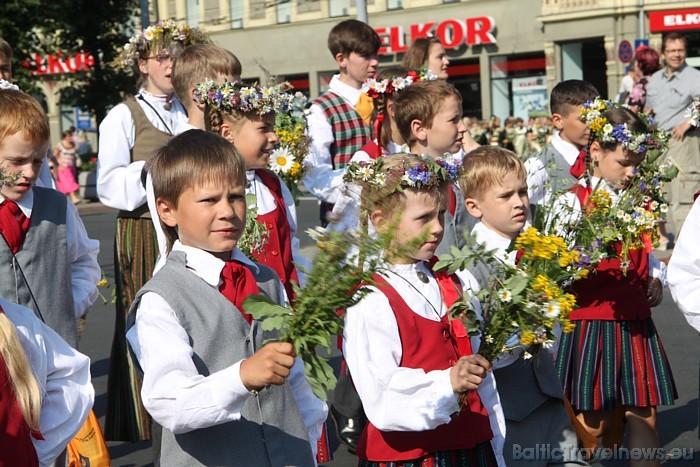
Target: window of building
308	6
465	76
211	11
284	11
394	4
300	82
585	60
339	7
257	9
236	13
192	12
518	86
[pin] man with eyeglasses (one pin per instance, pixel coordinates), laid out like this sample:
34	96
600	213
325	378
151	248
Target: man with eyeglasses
669	93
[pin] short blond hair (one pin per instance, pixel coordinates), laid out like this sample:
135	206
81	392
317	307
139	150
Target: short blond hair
198	63
189	159
486	167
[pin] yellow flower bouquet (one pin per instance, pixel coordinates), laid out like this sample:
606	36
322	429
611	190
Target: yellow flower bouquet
525	300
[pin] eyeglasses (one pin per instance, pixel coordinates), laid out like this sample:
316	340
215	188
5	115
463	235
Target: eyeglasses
164	57
675	51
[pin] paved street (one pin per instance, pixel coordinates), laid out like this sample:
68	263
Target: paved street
678	424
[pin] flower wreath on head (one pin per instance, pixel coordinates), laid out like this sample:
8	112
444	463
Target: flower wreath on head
162	34
693	112
4	85
430	173
593	114
233	96
386	87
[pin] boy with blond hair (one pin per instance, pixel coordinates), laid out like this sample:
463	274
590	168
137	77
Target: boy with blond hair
494	185
339	119
196	64
222	396
429	118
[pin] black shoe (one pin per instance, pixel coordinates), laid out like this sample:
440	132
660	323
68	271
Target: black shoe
348	429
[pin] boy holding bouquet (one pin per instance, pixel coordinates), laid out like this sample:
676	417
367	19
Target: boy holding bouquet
495	191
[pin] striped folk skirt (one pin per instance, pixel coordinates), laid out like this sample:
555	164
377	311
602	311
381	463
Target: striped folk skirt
135	255
479	456
606	364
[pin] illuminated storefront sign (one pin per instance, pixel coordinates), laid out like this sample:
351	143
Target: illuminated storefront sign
674	20
452	33
59	64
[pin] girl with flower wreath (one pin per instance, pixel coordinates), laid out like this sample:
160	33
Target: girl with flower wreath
129	135
422	387
245	116
613	362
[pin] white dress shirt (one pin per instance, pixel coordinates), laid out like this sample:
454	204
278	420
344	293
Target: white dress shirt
684	268
567	210
538	183
175	394
119	183
407	399
324	182
82	252
63	375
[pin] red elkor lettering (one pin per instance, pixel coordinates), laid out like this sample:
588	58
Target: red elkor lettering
420	30
450	33
385	47
480	29
397	39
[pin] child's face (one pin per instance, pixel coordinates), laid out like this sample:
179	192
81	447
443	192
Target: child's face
21	158
5	68
208	216
423	214
571	128
437	60
503	207
615	167
445	134
255	138
158	68
357	68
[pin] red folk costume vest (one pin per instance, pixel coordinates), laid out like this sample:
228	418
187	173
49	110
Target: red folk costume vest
608	294
277	253
16	446
428	345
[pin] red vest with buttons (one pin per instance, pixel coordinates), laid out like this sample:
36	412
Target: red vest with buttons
428	345
608	294
277	251
16	447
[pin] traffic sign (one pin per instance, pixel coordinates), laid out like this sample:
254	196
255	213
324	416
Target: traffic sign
625	51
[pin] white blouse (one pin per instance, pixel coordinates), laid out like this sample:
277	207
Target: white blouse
63	375
175	394
119	183
684	268
407	399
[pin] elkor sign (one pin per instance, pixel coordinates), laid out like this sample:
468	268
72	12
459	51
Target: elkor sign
59	64
674	20
451	32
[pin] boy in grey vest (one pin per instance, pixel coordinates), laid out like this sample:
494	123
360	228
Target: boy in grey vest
495	192
558	166
48	262
222	397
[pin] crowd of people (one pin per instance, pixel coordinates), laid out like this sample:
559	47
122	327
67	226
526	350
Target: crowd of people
186	159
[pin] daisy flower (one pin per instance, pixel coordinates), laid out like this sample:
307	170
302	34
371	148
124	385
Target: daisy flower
281	160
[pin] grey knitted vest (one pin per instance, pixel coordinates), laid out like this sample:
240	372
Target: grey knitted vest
557	168
271	431
43	262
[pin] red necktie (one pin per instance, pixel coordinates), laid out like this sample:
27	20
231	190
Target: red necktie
452	201
13	224
579	168
239	282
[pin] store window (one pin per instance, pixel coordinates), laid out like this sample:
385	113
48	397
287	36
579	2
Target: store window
464	75
324	80
299	81
518	86
585	60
